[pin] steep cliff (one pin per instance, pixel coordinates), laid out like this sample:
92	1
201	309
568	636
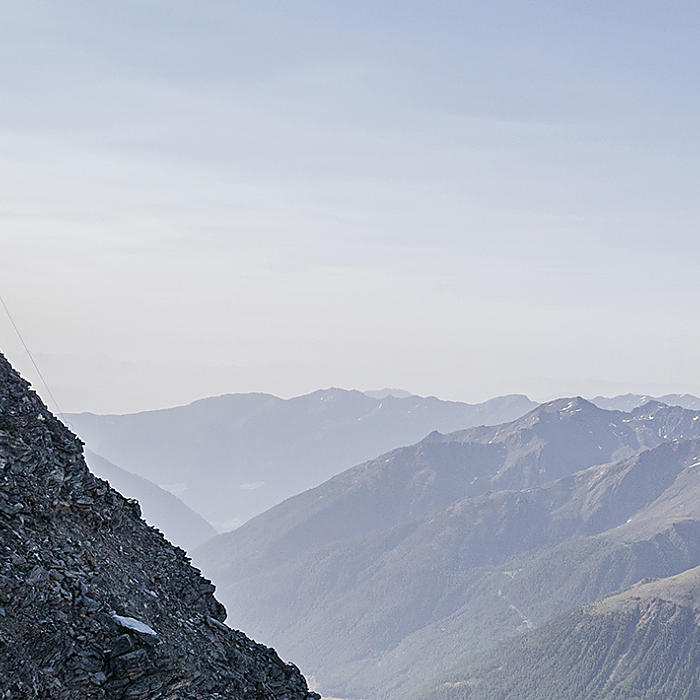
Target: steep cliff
94	603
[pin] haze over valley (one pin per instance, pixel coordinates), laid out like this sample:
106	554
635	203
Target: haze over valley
349	351
232	457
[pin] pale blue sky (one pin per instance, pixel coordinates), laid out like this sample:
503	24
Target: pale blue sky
463	199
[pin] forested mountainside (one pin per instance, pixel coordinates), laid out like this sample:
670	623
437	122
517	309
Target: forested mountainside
234	456
403	566
94	603
642	644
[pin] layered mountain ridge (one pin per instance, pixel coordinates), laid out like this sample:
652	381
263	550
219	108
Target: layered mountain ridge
628	402
397	569
234	456
94	603
251	451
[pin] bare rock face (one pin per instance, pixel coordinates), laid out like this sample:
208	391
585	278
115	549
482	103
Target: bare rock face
94	603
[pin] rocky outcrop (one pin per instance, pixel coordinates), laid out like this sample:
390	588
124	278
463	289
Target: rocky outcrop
94	603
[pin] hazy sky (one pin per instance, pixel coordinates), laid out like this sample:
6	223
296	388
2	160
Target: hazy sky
457	198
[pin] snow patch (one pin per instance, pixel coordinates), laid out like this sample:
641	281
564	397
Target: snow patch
251	485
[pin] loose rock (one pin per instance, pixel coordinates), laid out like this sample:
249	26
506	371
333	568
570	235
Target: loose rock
94	603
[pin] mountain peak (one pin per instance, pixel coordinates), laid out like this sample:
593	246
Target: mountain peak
388	392
571	407
570	404
651	406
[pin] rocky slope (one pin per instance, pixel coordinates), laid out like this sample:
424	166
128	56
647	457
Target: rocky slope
251	451
398	568
94	603
180	524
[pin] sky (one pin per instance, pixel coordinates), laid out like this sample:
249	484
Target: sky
462	199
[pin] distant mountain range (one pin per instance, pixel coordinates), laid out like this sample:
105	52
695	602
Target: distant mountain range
232	457
384	393
628	402
251	451
180	524
404	567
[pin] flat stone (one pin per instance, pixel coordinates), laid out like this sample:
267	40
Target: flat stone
131	623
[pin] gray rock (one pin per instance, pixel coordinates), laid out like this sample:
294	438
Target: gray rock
121	645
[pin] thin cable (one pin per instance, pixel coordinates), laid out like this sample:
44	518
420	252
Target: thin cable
31	357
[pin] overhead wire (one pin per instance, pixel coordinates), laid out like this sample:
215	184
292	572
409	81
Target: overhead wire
31	358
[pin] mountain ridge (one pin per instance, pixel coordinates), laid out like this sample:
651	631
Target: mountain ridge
558	484
628	402
251	451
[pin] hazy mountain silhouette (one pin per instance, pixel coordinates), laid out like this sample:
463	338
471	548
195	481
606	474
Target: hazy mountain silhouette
398	568
628	402
386	392
234	456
